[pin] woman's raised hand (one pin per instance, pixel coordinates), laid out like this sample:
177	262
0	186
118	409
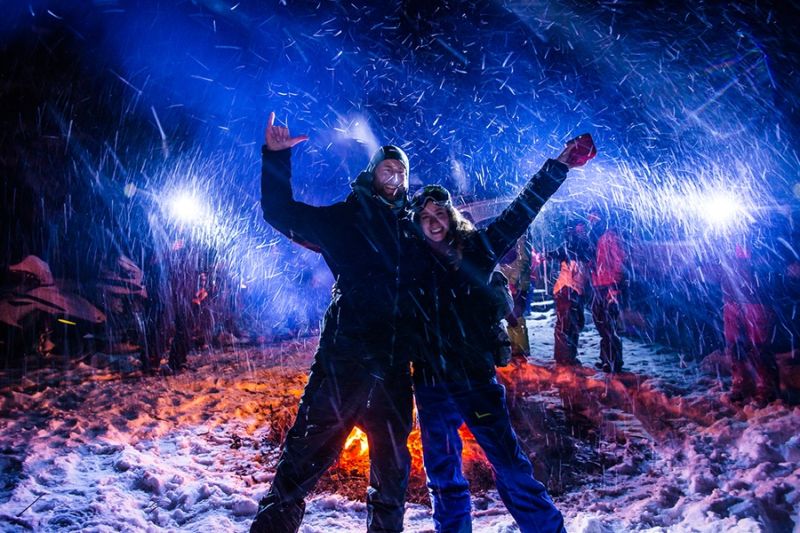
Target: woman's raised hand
578	151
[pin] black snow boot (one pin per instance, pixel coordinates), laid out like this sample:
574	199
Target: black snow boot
273	517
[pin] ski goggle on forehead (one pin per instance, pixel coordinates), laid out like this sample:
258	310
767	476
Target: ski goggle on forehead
431	193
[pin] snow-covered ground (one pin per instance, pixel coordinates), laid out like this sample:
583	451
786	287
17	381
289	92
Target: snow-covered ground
656	449
676	455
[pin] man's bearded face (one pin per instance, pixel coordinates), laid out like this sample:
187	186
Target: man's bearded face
390	179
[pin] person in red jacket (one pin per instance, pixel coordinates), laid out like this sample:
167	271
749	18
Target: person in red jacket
607	273
755	277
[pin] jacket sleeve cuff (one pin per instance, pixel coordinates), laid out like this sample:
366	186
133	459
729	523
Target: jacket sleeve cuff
275	155
555	167
276	174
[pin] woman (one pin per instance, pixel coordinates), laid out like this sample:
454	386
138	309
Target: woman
455	382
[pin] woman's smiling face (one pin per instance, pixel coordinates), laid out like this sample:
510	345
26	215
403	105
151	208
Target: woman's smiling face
435	222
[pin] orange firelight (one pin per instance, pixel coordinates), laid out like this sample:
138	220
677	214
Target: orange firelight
357	437
357	445
351	471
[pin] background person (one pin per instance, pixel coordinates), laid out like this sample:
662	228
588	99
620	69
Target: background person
607	274
569	293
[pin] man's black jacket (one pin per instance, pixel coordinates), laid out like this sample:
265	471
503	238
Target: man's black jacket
372	251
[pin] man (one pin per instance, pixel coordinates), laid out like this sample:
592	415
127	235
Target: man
568	293
360	375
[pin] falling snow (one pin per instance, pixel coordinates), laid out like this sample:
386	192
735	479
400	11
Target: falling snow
131	135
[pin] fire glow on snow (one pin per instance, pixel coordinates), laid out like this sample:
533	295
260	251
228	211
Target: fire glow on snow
655	451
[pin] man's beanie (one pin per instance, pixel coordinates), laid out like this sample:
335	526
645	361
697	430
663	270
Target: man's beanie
388	152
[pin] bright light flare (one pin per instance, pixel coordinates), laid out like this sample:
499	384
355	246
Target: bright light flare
720	209
186	207
357	127
711	210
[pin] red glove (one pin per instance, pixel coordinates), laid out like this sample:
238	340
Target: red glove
578	151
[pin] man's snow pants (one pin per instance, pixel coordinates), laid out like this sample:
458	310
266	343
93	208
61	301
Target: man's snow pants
569	324
342	393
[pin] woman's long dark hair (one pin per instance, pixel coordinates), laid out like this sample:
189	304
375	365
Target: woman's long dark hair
460	226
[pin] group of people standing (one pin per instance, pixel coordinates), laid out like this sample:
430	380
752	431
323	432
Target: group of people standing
414	291
592	270
757	271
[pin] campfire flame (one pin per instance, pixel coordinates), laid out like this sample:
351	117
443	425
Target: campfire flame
357	437
357	446
351	472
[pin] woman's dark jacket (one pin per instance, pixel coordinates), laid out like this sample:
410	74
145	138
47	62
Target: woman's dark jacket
462	324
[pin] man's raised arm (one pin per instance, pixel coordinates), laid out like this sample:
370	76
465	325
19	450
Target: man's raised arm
296	220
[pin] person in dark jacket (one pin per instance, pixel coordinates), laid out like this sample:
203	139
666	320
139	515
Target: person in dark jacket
569	293
455	381
361	374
